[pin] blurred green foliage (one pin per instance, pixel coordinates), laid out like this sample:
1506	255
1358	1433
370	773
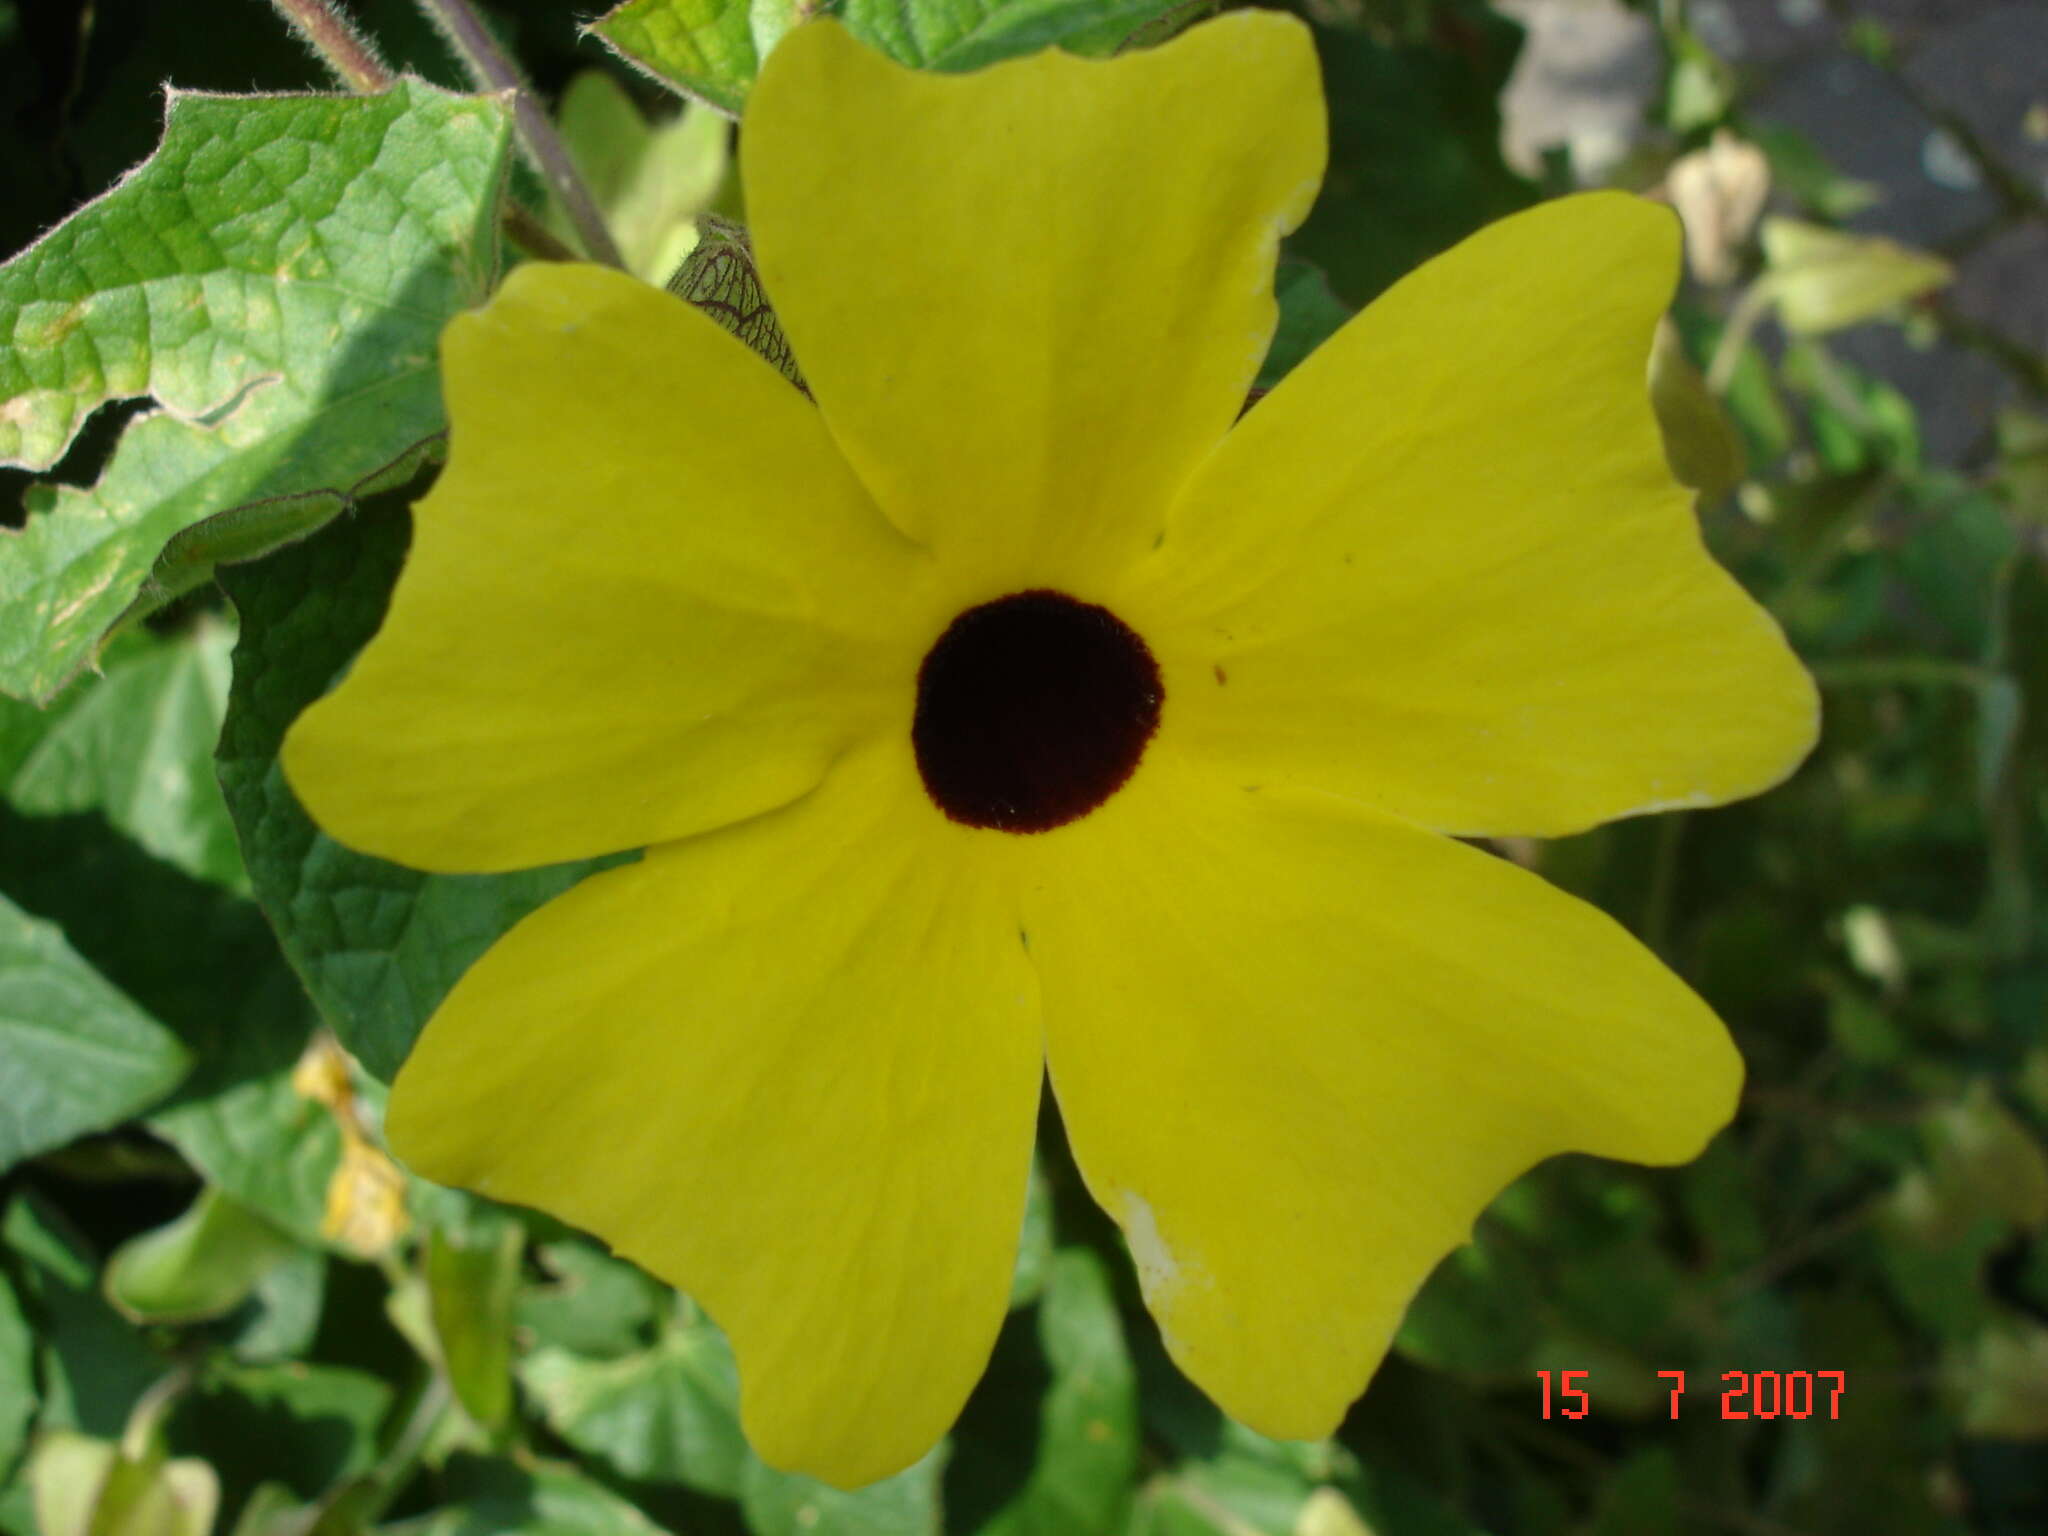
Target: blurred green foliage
223	1309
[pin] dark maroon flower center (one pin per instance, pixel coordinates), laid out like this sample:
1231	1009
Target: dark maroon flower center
1032	710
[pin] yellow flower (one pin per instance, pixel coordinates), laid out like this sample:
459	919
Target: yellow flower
1011	711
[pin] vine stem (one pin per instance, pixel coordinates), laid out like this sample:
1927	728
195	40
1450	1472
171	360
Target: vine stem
493	69
538	239
334	37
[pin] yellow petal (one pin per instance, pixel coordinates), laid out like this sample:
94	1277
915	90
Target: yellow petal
645	598
792	1067
1298	1047
1444	569
1029	299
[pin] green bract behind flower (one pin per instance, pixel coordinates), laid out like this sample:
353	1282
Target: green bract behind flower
1164	815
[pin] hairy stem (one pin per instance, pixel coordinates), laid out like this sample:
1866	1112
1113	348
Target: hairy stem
494	70
341	47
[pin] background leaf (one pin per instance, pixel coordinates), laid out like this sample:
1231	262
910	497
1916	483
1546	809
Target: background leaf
92	1366
276	278
1309	315
711	50
650	180
470	1290
1087	1441
139	749
75	1055
783	1504
1873	931
528	1498
204	1264
1414	126
666	1414
707	49
17	1377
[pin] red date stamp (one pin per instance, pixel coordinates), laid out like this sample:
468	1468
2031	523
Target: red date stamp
1744	1394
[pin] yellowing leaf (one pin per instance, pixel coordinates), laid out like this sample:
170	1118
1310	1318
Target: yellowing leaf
1823	279
1718	192
365	1199
1329	1513
87	1487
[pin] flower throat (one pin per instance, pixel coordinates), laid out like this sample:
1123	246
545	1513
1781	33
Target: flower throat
1032	710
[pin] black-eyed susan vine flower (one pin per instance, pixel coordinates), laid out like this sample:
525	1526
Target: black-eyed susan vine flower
1011	712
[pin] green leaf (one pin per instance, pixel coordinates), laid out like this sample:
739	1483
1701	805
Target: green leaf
198	959
138	746
1857	420
276	277
17	1506
1800	169
527	1498
2025	645
282	1317
1088	1419
2023	447
1034	1241
712	49
378	946
1700	88
206	965
1640	1498
707	49
1415	162
1867	1470
92	1365
249	1131
1987	1163
2002	1383
598	1307
270	1510
1310	315
23	725
76	1055
202	1265
1226	1498
957	35
784	1504
650	181
669	1414
17	1377
1473	1316
304	1424
470	1289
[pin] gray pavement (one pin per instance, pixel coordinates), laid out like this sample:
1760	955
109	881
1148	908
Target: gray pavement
1941	105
